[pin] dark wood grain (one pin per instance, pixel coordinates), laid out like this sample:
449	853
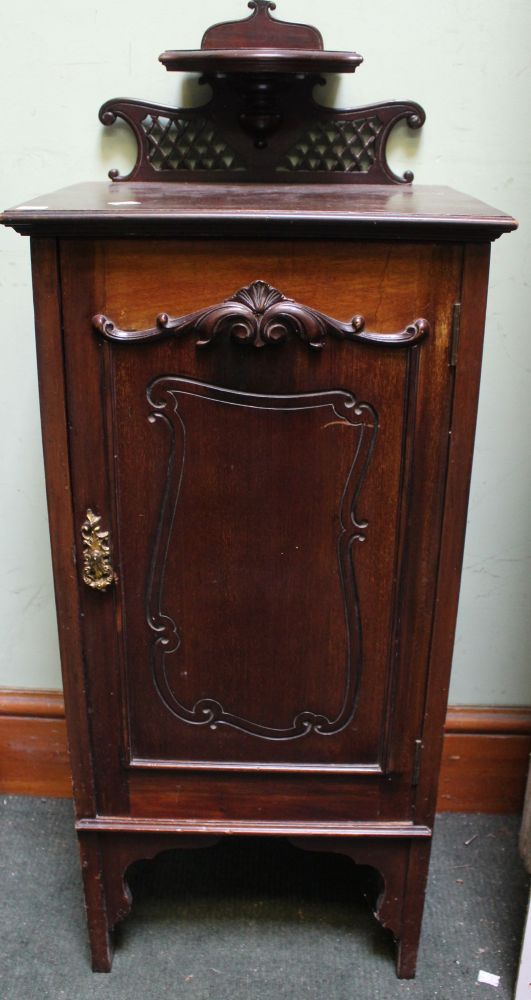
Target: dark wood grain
294	710
252	828
274	653
261	43
254	667
145	749
260	315
261	60
464	397
409	274
263	211
261	73
402	869
48	329
260	30
89	403
104	863
271	130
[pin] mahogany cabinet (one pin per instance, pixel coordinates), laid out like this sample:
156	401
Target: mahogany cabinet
258	403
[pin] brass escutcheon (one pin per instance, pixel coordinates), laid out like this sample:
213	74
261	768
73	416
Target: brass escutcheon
97	569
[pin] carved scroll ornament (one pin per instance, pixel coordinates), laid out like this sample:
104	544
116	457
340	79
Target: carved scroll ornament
169	397
258	315
326	145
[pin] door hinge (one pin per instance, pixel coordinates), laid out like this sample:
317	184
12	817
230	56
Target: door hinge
454	334
416	763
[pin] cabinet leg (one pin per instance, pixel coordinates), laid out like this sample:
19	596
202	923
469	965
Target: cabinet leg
413	906
105	859
403	866
99	929
406	958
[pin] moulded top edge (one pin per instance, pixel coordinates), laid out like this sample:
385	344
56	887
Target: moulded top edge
131	208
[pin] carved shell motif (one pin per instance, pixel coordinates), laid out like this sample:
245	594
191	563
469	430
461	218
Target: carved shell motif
258	296
267	316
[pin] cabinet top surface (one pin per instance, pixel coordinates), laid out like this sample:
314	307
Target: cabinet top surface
140	209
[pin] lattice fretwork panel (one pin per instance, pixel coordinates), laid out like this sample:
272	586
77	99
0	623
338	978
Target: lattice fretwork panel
187	144
336	145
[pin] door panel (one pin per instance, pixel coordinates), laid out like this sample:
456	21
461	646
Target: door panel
263	531
266	508
254	545
252	606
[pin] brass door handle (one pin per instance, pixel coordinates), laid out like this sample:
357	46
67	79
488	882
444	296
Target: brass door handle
97	569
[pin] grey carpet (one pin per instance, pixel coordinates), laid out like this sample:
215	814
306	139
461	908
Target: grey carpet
254	921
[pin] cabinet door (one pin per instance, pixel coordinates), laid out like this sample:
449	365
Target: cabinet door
272	479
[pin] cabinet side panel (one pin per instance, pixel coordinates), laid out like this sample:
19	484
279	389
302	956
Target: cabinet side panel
93	489
424	512
463	424
48	329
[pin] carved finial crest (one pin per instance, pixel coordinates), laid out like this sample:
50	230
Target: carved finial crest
261	6
260	30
